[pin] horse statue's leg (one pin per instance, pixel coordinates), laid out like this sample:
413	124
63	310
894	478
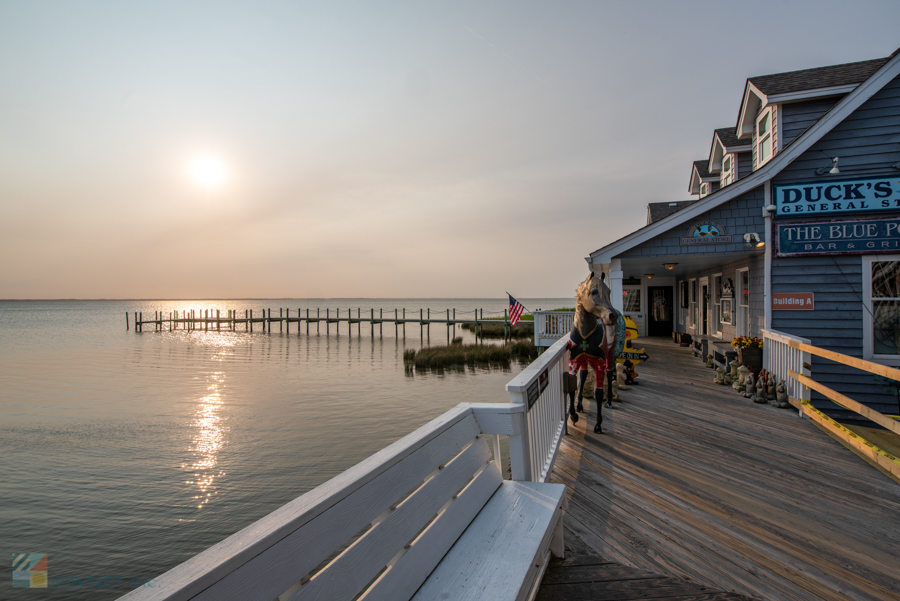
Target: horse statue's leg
582	378
598	399
610	374
572	414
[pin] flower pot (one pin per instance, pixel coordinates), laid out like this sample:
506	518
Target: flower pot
751	358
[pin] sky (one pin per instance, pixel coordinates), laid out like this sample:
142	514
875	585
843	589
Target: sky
368	149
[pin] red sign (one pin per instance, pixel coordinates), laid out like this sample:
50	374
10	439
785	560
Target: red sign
793	301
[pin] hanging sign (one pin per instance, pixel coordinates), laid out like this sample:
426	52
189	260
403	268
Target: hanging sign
837	197
706	232
631	281
793	301
856	236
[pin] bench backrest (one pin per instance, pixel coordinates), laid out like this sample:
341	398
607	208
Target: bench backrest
380	527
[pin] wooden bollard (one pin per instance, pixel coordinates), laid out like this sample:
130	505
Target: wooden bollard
372	321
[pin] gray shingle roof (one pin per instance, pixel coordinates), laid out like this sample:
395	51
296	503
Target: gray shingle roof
821	77
729	139
701	166
661	210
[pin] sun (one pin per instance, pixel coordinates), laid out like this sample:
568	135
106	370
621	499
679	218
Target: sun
208	171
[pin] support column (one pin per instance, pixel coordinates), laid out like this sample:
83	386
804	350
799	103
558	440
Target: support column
767	274
615	284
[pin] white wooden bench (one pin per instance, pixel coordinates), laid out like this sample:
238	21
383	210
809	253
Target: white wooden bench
429	517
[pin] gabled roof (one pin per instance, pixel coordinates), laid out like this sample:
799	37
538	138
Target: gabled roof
805	84
724	141
821	77
661	210
699	175
840	111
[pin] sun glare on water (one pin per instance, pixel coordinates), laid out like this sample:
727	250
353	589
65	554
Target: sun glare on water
208	171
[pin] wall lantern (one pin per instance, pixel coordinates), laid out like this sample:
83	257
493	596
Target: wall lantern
752	240
670	266
832	167
648	275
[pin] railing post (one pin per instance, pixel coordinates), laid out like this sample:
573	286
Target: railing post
519	446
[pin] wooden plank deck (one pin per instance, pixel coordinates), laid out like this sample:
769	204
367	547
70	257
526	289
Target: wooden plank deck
691	482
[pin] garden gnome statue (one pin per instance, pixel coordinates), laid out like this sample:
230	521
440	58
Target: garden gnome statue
739	384
760	396
622	376
735	376
770	388
615	390
749	388
720	376
781	396
709	361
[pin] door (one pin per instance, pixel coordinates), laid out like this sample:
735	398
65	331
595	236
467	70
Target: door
660	311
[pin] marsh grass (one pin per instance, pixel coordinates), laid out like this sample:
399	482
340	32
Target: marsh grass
438	357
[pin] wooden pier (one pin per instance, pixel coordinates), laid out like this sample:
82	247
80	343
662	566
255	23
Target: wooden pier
693	492
230	320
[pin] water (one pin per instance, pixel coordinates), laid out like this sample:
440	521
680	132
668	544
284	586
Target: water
124	454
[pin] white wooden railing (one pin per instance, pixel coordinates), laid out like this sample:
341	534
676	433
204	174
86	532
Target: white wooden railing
539	390
549	326
779	358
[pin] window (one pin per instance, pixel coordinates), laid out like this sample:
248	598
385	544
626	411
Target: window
764	137
631	300
704	190
881	315
727	170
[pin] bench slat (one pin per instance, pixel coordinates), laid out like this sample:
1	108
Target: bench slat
349	573
402	580
501	552
277	568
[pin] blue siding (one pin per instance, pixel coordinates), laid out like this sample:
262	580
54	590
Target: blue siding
744	164
739	216
797	116
867	139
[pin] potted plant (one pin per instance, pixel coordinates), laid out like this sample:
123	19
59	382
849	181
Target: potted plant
749	352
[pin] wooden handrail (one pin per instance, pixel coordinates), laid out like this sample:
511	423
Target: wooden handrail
874	368
881	457
848	403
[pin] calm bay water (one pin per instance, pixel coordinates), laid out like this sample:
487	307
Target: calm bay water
124	454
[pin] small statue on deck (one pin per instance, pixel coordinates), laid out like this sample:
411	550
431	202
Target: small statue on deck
749	386
622	377
720	376
770	388
743	372
630	373
709	361
615	390
781	396
760	396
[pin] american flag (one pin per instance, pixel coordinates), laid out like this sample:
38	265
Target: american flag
515	310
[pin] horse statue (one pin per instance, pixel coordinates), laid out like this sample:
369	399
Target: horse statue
597	338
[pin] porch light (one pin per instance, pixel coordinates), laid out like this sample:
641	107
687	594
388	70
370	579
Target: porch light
648	275
670	266
829	168
752	239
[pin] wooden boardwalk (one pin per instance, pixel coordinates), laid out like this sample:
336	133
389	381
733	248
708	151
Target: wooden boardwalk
695	485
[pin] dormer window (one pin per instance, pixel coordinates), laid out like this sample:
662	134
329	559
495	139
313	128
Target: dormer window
764	137
727	170
704	190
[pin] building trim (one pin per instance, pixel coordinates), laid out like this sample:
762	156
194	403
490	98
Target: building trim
810	94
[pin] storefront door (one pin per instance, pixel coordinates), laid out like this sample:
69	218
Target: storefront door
660	311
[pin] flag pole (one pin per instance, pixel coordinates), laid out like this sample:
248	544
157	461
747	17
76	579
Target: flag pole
520	302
